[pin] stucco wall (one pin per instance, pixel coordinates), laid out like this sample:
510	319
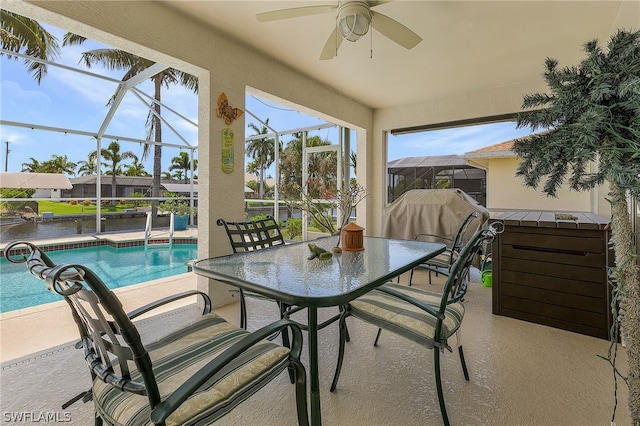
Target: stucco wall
506	192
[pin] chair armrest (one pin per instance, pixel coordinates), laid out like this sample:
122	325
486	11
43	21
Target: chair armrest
427	308
146	308
182	393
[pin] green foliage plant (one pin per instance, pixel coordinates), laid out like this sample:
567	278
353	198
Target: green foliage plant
293	228
592	118
179	206
12	207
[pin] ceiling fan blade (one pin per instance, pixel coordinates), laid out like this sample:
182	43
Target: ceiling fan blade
394	30
374	3
330	48
295	12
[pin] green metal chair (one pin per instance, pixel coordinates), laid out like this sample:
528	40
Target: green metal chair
249	236
443	263
193	376
424	317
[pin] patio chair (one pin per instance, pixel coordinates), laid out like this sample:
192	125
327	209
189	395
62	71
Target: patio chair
424	317
443	263
249	236
194	375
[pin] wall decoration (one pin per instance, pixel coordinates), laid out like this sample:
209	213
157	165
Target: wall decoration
227	150
226	111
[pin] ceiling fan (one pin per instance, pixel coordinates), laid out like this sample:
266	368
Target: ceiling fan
353	19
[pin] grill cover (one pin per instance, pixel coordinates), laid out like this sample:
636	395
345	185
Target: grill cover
431	211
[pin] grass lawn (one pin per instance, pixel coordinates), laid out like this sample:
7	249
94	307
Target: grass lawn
64	208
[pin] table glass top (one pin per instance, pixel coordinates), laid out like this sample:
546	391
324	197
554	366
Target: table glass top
286	273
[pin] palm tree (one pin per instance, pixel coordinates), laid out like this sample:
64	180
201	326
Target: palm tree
182	163
115	59
87	168
135	169
32	167
262	150
178	175
59	164
24	35
114	158
321	170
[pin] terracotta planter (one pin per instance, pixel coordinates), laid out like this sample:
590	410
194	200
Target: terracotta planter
352	237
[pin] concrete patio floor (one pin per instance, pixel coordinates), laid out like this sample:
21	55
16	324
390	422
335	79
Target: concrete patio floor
521	373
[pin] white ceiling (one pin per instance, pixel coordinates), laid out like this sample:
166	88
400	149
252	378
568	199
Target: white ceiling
467	45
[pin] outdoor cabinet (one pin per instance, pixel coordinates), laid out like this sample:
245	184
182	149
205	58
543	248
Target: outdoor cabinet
551	269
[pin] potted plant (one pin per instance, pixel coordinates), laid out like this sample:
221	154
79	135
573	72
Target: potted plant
344	201
592	117
181	210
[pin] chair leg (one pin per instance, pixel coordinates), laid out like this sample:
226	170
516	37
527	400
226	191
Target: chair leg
285	338
464	364
301	392
375	343
436	365
347	337
410	277
243	311
343	339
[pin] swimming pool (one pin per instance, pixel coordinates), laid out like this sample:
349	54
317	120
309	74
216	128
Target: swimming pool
117	267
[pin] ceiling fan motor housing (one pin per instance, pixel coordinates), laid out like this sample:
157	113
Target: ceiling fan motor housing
354	19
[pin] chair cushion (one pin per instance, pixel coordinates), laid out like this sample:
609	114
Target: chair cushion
177	357
442	261
405	319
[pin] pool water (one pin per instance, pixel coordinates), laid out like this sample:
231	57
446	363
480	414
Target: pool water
117	267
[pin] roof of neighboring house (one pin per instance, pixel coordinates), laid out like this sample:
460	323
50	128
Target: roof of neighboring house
20	180
248	177
502	149
499	150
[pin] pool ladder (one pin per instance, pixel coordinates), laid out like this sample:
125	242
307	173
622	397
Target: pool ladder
147	232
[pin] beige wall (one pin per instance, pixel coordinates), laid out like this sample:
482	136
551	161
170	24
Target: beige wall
506	192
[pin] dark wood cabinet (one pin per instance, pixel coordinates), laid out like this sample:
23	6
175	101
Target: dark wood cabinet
552	269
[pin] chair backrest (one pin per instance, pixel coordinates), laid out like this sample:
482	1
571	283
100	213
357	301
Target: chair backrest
458	240
109	338
252	235
457	283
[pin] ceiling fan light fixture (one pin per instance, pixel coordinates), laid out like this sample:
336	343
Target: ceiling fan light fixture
354	20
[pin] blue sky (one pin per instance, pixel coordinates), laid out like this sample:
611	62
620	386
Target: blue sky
74	101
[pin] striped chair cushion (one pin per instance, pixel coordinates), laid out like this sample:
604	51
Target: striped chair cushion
401	317
443	261
178	356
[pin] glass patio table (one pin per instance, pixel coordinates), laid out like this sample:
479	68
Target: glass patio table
285	273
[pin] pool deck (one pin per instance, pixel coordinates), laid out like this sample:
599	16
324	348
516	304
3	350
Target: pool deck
114	237
28	326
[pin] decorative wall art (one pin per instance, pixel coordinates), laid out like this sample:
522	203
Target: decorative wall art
227	150
226	111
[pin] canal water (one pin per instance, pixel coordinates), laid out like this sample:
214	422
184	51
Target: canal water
61	228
